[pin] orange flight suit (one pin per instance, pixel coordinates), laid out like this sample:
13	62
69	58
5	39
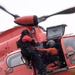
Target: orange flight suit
52	51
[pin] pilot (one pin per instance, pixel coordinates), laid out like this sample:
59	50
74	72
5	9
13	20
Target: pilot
50	57
29	53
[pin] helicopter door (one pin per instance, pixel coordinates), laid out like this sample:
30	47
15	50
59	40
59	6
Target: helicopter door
16	66
69	51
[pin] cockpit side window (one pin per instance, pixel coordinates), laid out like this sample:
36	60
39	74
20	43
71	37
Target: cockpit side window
70	48
14	60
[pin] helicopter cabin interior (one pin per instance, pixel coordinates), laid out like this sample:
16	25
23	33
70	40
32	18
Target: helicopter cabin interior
55	33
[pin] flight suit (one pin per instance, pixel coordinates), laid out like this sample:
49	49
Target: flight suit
30	54
50	58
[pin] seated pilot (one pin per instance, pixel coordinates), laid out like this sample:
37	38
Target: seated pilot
50	56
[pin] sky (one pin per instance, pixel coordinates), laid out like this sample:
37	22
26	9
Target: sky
38	8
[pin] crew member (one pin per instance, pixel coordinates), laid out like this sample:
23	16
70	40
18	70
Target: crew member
50	57
27	51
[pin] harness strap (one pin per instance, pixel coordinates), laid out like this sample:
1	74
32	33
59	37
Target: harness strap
25	61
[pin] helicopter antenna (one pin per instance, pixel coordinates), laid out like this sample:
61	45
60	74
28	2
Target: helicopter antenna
15	16
67	11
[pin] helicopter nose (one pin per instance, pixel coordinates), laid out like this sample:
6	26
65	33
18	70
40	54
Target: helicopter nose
27	20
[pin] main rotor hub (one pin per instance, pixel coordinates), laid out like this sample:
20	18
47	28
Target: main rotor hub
27	20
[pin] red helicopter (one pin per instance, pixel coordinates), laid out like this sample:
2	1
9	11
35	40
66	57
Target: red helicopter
10	56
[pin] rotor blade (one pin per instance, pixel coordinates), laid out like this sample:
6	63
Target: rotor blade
15	16
67	11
